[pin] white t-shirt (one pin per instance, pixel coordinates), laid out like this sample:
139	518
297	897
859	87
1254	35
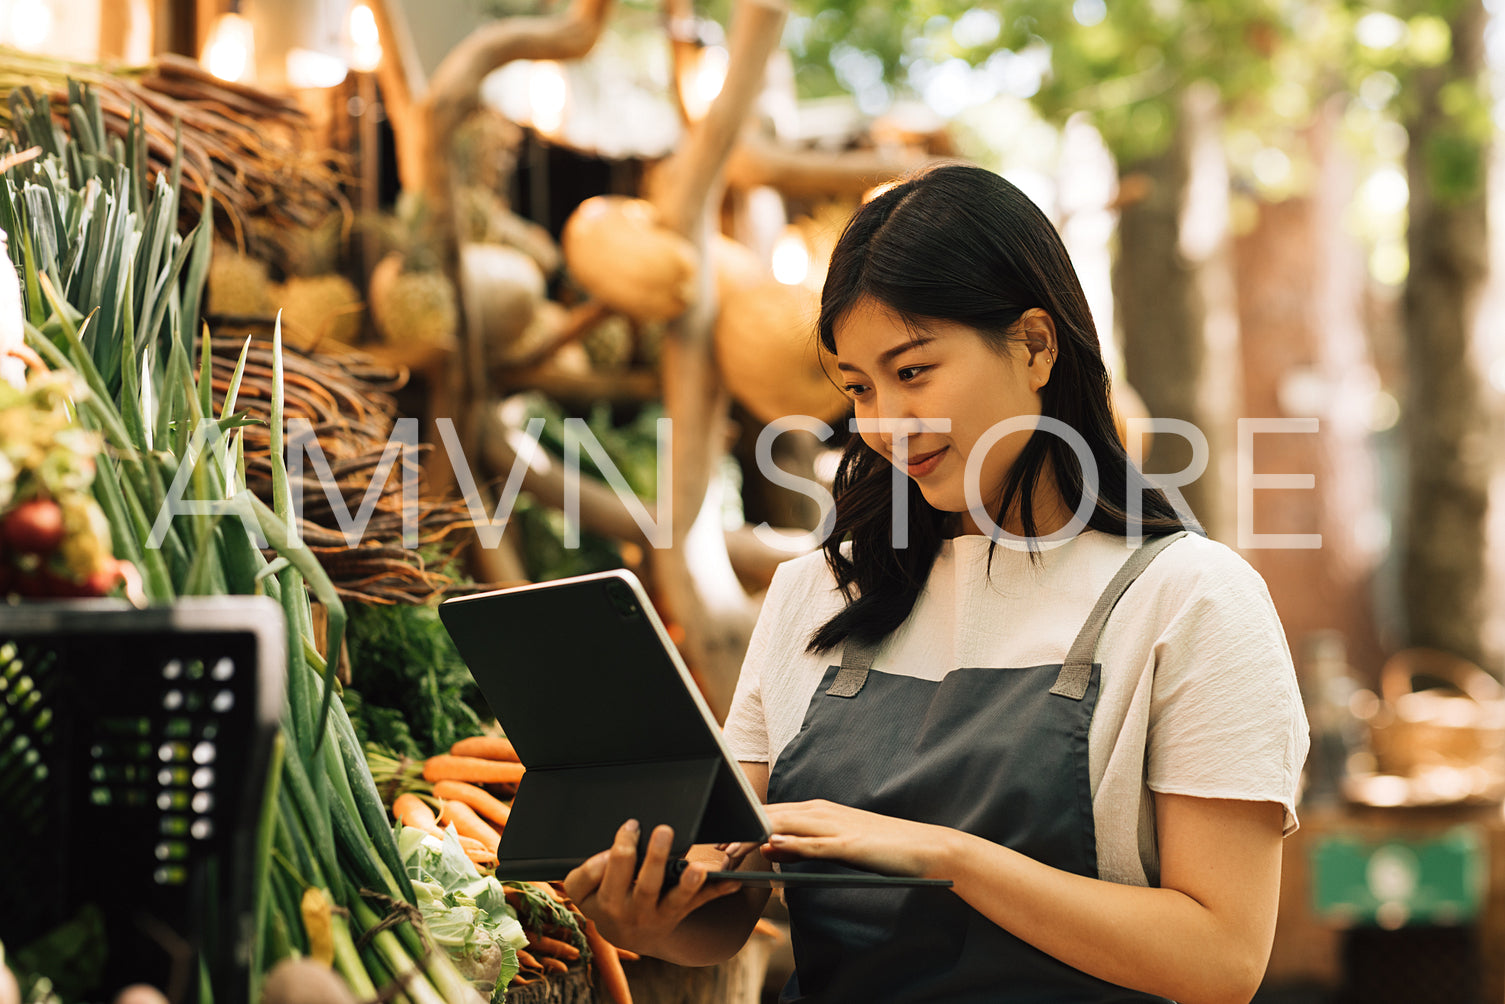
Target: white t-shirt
1198	695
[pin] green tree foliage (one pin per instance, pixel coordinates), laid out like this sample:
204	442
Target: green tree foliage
1122	63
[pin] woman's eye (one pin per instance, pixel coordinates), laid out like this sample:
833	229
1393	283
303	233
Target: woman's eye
910	372
855	389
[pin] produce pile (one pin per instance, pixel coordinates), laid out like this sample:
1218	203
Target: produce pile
366	882
457	804
54	539
111	297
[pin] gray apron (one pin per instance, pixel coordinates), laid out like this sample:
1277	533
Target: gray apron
996	752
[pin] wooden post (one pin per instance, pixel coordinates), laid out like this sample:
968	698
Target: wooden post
694	577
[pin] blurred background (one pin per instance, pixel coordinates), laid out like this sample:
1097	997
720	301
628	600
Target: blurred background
1280	210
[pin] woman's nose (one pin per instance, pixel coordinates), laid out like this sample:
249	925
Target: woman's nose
886	416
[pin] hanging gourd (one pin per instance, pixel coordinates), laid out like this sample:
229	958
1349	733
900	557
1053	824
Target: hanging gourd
617	249
769	357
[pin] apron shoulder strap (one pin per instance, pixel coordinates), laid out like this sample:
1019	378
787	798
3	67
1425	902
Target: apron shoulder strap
1076	672
856	659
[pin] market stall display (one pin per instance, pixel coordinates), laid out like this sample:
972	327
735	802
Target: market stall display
142	214
111	309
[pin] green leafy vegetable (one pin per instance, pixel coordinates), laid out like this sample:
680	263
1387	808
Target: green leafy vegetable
413	693
467	913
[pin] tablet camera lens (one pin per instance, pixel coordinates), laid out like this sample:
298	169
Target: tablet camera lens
623	600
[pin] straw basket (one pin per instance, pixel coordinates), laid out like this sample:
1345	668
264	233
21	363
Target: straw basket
1455	718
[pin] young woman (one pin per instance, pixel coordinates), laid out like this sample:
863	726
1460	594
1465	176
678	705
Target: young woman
1026	677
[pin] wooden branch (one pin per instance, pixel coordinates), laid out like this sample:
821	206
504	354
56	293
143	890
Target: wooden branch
400	76
758	160
682	185
680	15
695	578
454	91
452	95
693	396
628	386
601	510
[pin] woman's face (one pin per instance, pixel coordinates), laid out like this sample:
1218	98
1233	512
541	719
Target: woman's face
949	372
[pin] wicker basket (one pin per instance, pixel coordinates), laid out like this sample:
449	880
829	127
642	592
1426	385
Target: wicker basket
1456	719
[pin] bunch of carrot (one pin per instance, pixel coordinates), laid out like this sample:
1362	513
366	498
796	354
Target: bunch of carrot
455	781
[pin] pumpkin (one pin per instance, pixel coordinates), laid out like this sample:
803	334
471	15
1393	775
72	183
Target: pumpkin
768	355
616	248
413	308
501	288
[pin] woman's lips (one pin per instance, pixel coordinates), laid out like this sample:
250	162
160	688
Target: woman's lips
922	464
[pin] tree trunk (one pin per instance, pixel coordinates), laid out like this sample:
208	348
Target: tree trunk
1300	286
1159	305
1445	424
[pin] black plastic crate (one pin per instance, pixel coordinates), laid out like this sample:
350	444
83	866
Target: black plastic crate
134	747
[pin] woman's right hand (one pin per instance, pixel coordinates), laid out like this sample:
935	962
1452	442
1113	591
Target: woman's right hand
628	903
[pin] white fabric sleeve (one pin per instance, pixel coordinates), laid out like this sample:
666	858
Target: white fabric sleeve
746	728
1226	718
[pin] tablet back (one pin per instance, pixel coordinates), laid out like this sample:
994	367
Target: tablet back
601	710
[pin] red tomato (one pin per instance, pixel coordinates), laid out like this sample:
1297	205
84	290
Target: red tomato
34	526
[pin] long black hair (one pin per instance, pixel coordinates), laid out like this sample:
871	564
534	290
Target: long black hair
959	243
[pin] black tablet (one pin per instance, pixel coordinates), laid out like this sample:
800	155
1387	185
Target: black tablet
605	716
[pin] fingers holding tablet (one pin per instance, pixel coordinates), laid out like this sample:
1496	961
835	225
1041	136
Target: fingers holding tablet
636	900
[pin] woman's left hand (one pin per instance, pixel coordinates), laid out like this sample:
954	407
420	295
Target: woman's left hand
884	844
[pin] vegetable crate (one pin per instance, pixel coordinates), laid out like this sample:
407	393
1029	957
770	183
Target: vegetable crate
134	749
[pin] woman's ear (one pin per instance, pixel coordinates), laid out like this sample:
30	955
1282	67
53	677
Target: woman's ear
1039	331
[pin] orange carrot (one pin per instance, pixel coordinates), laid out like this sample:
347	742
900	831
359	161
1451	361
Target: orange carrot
410	810
627	956
467	823
608	963
553	965
485	747
479	799
552	893
481	858
527	961
553	946
471	844
477	851
446	767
